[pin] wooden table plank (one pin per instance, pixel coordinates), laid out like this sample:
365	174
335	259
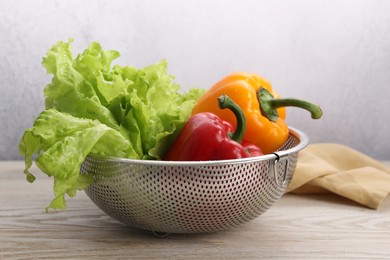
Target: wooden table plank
311	227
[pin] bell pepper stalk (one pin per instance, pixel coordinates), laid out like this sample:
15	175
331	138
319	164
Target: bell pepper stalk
265	112
269	105
226	102
206	137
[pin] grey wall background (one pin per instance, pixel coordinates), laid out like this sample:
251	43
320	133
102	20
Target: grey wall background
334	53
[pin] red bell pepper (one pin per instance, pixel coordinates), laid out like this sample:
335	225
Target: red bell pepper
206	137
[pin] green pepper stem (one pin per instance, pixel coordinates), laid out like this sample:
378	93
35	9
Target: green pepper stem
225	101
269	104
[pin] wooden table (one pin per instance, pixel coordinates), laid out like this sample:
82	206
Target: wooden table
312	227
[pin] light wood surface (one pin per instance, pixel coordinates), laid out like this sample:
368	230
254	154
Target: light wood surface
297	227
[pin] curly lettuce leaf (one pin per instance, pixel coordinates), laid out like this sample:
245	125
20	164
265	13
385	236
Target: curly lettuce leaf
61	143
95	108
73	89
150	108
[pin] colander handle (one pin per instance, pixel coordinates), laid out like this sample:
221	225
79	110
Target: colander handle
280	158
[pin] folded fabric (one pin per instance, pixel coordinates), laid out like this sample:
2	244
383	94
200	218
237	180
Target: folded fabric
339	169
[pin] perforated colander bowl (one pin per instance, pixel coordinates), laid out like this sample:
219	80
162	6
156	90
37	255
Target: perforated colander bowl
191	197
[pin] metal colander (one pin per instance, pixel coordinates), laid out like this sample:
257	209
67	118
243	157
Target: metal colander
191	197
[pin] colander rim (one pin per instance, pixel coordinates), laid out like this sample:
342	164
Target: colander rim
301	136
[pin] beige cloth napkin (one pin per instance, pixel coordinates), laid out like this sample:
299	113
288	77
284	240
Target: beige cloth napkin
338	169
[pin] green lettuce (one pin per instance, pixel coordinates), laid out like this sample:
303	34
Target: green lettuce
95	108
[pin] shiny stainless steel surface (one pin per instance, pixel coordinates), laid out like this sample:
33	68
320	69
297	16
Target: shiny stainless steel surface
191	197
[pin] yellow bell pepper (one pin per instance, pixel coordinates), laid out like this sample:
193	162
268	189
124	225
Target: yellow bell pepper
263	109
